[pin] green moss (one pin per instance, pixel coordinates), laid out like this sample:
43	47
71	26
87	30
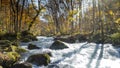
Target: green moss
10	58
58	45
18	35
21	50
18	49
14	56
48	58
13	48
115	38
32	37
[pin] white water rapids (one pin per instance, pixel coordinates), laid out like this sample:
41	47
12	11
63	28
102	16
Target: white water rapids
78	55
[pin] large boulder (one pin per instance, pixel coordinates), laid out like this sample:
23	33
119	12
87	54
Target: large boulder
72	38
8	59
13	57
22	65
58	45
66	39
13	48
32	46
39	59
32	37
115	38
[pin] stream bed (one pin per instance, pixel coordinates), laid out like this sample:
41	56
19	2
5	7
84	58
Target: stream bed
78	55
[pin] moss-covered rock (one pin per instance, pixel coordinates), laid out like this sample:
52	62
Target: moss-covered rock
32	37
39	59
58	45
115	39
13	56
21	50
13	48
8	59
72	38
32	46
66	39
22	65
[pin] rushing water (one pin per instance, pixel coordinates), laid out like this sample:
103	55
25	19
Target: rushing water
78	55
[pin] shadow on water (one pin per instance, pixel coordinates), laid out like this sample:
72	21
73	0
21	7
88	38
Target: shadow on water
100	57
93	56
75	51
70	54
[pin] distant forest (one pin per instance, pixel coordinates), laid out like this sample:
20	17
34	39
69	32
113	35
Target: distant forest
95	18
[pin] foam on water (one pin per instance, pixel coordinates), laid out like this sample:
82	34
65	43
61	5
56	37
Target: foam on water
78	55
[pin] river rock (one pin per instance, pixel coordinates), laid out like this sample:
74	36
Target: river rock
73	38
39	59
32	46
22	65
8	59
58	45
66	39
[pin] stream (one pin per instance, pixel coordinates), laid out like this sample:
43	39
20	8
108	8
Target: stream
78	55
